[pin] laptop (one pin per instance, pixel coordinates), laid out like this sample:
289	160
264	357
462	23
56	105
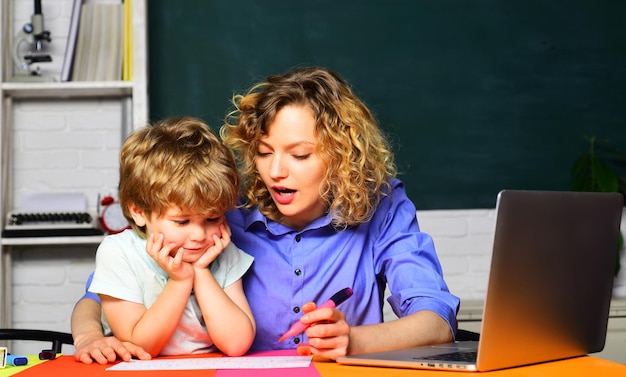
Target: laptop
549	288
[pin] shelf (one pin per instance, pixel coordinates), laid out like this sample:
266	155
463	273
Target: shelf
121	104
67	89
61	240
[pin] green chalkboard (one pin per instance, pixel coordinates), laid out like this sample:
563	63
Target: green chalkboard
476	95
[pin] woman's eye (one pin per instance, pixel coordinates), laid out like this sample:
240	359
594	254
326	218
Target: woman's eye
302	156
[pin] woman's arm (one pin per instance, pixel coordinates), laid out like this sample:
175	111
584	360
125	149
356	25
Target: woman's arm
226	313
91	345
332	337
417	329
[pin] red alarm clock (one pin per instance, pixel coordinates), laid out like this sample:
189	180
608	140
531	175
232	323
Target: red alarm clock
112	219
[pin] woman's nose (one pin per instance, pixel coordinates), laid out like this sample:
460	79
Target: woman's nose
277	168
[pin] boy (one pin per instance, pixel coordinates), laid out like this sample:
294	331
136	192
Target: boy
172	283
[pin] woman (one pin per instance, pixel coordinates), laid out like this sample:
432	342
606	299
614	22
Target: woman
323	210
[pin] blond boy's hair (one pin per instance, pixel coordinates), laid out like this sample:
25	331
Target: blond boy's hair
176	162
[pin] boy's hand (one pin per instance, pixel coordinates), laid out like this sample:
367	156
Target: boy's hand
174	266
219	244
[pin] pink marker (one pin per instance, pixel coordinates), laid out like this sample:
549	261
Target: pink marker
299	327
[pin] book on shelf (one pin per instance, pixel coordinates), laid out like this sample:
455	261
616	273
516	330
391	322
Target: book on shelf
99	46
66	70
127	42
79	64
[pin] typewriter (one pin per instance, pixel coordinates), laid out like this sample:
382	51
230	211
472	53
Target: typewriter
50	224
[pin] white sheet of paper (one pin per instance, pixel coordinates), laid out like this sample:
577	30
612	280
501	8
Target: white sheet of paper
250	362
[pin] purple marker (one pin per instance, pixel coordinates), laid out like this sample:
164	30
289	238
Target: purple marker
299	327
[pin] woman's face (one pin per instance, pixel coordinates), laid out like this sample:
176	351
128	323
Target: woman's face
290	167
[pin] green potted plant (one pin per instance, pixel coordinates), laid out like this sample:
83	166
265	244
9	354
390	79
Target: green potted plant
600	169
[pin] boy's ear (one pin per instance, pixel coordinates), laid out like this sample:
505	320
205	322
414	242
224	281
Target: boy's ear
137	215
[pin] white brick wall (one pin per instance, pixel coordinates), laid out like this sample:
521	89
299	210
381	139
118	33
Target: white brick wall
56	149
463	242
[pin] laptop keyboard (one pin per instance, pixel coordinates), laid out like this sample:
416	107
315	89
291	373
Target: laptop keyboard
467	356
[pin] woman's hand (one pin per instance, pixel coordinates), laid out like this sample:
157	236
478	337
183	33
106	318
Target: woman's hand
329	333
105	349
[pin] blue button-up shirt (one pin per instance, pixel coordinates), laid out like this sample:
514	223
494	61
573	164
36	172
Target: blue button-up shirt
293	267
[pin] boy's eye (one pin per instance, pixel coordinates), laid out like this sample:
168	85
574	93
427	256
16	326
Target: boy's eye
181	222
213	219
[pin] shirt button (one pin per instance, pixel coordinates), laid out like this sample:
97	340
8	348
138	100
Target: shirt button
298	238
296	340
296	309
298	272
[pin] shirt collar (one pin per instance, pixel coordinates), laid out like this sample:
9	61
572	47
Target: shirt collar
256	217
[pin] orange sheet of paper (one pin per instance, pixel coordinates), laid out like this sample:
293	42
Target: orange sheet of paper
66	366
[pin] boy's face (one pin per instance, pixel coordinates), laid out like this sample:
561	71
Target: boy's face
193	232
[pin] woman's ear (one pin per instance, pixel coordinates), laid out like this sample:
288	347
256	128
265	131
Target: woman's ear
137	214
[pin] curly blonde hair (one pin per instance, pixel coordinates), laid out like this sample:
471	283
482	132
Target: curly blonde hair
176	162
358	158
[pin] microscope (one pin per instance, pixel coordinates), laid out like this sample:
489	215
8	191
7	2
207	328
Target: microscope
34	35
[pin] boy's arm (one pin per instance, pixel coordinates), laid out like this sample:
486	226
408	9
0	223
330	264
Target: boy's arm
226	313
132	322
90	344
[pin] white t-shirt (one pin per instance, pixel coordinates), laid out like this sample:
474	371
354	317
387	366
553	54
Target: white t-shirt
124	270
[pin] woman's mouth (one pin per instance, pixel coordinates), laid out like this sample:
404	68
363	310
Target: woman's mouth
283	195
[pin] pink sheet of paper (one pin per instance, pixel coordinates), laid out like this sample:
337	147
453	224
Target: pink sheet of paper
311	371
